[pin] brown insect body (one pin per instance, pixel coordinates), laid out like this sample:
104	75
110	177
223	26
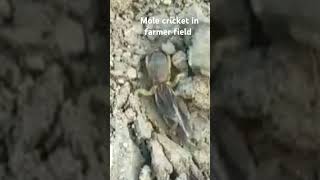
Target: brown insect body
159	70
168	107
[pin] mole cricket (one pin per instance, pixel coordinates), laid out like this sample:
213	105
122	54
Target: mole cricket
159	71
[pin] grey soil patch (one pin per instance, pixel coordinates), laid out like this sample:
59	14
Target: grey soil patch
52	97
266	90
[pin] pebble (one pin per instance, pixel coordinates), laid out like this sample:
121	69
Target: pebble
119	69
126	55
121	81
168	48
132	73
130	114
116	73
202	95
166	2
111	63
179	60
118	52
182	176
185	88
134	61
201	156
124	91
145	173
130	37
144	128
117	58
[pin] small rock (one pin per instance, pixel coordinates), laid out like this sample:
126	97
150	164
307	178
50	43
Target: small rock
166	2
144	127
131	34
130	114
179	60
116	73
182	176
118	52
122	95
119	69
145	173
202	95
201	157
132	73
185	88
195	173
199	52
117	58
160	164
134	61
121	81
201	127
168	48
197	89
126	56
111	63
180	158
121	6
130	38
127	162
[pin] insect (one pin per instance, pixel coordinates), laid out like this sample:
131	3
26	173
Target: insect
159	70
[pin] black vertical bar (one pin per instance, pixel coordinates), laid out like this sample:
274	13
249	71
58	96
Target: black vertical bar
107	31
